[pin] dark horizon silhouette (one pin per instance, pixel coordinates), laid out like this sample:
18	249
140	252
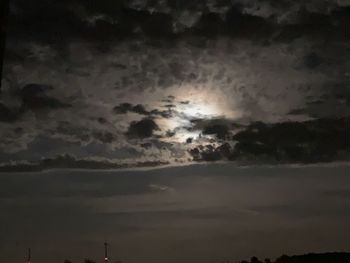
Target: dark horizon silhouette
329	257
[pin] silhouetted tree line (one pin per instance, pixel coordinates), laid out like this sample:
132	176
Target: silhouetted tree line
308	258
86	261
256	260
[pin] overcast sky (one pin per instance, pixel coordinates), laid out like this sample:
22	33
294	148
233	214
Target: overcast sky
145	83
217	130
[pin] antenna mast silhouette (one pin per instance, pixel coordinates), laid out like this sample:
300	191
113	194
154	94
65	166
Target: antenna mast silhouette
29	255
106	252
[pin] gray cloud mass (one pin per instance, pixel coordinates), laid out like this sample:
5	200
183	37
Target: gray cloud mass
175	82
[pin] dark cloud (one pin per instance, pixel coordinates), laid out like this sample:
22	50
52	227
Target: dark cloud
102	120
142	129
170	133
104	136
211	153
31	90
321	140
318	25
34	98
170	106
127	107
221	131
6	115
64	161
200	124
248	26
311	141
199	74
5	6
102	21
189	140
67	128
124	108
163	113
120	19
67	161
312	60
221	128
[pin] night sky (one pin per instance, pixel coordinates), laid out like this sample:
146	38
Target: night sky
159	124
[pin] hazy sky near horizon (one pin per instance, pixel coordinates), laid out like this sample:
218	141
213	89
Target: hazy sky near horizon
198	213
152	82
